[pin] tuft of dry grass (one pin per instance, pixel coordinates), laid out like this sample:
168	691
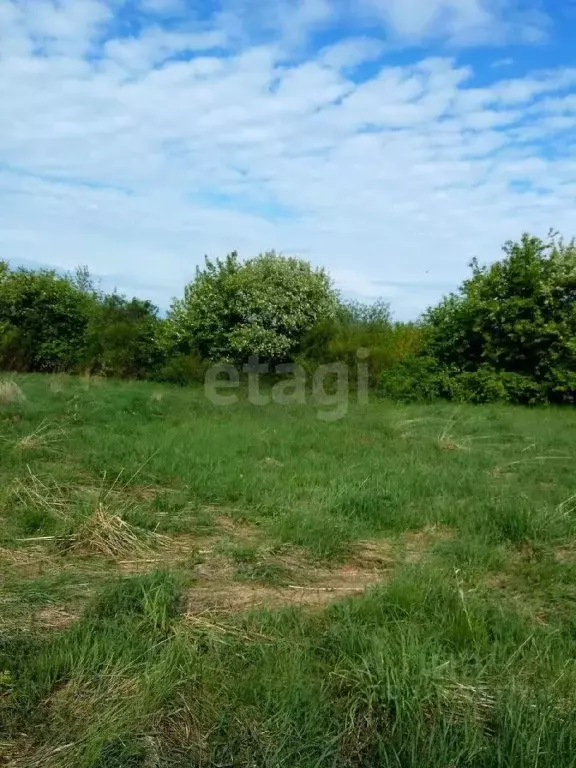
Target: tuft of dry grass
45	434
105	533
23	558
43	497
467	701
89	380
446	440
10	392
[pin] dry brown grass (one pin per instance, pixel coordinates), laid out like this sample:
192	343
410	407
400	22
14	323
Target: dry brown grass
565	553
446	440
44	496
54	617
373	562
45	435
466	701
29	560
230	597
10	392
105	533
89	380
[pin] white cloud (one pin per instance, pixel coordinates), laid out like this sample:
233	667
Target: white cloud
140	161
418	18
352	52
463	21
53	27
155	46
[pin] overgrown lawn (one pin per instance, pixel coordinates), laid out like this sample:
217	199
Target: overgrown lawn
192	585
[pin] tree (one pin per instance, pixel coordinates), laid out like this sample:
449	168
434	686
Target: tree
263	306
516	316
84	281
43	318
122	337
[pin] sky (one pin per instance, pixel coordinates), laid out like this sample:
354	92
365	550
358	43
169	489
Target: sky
390	141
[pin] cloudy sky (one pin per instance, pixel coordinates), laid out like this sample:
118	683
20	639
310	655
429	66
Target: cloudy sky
389	140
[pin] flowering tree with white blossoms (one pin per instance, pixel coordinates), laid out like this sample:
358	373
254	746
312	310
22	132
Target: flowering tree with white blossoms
234	309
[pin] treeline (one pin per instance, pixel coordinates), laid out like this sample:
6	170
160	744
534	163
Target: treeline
508	334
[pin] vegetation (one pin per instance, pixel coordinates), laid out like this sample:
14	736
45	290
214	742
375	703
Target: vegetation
189	584
43	320
123	338
509	334
186	584
263	307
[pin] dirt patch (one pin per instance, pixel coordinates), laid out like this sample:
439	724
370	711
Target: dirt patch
372	563
32	561
220	585
240	529
310	584
418	543
54	617
49	617
510	588
182	548
565	554
378	553
330	586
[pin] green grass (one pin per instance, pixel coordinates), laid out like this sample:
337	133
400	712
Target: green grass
462	655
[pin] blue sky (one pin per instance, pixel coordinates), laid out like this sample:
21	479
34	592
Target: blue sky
388	140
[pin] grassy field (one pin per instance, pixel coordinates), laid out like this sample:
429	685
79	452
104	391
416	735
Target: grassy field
188	585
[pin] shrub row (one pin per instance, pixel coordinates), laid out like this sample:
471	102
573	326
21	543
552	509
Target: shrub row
508	334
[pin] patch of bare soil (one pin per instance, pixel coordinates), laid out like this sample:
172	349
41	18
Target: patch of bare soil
240	529
47	618
565	554
217	587
372	563
324	586
417	543
54	617
30	561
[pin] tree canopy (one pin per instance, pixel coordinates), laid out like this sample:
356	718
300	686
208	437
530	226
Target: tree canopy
263	306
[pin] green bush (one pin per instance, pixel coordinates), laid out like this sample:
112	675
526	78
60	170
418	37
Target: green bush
508	334
43	320
482	386
183	369
15	352
263	306
414	379
561	386
421	379
122	338
516	317
523	390
366	327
